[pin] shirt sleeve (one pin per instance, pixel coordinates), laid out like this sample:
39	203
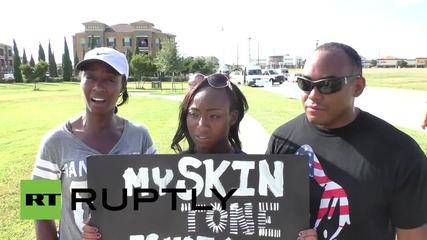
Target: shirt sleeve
408	202
46	165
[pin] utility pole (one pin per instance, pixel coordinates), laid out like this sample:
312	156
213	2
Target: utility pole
237	57
258	55
249	43
223	61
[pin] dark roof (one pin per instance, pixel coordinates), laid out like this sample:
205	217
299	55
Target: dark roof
97	22
144	22
123	27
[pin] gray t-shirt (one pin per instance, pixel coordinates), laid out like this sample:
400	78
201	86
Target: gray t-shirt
62	156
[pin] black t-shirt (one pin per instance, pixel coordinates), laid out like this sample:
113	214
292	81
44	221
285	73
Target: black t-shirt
365	178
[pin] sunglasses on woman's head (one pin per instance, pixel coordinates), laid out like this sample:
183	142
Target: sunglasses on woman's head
325	86
219	81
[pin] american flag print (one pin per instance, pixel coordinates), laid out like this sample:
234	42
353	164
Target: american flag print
333	197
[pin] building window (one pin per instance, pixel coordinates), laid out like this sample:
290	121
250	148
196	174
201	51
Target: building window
97	41
158	44
1	52
142	41
10	52
127	42
111	42
83	42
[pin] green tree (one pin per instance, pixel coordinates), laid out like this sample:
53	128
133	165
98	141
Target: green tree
185	66
168	60
402	64
40	71
24	58
27	71
202	65
67	67
142	65
129	56
53	72
36	73
17	74
32	62
137	50
42	56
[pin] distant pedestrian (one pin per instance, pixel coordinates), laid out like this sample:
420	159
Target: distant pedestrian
194	79
424	123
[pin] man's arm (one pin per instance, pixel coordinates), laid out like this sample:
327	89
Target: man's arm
419	233
45	230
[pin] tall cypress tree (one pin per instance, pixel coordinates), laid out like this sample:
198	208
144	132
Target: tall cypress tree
24	58
32	62
67	68
42	55
55	67
52	64
16	63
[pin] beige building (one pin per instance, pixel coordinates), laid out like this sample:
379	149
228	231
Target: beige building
6	59
122	37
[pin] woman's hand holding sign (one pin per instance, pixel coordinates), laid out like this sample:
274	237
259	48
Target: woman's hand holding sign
90	232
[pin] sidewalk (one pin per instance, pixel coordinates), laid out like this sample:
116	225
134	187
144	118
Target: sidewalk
399	107
252	134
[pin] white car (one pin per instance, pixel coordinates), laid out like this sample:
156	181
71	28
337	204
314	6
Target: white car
274	76
236	77
8	77
253	76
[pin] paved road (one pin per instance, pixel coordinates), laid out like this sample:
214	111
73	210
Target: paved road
400	107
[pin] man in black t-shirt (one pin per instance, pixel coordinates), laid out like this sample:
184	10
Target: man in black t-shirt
368	180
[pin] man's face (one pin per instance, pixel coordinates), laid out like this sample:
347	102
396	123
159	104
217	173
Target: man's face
336	109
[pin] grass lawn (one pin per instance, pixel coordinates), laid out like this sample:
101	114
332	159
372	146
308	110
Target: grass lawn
27	115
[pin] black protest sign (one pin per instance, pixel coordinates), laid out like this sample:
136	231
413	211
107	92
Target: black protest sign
203	196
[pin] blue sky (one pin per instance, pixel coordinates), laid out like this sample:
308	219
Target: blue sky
375	28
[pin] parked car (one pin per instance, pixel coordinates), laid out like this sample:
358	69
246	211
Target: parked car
252	76
285	73
274	76
8	77
237	77
293	77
